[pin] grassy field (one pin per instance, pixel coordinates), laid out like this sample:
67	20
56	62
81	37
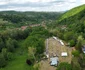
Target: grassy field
19	62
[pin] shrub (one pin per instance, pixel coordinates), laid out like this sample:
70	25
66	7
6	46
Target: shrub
2	61
76	53
64	66
72	43
29	62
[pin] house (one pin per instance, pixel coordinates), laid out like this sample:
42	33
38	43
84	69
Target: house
83	49
54	61
64	54
23	27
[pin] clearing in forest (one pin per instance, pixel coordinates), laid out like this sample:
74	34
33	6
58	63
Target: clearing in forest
54	47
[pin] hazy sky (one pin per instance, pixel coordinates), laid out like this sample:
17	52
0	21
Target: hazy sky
39	5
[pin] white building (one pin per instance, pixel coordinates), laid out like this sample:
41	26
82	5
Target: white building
64	54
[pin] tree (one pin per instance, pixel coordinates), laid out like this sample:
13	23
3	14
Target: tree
72	43
10	45
79	43
1	44
64	66
4	53
36	42
75	64
10	56
40	46
68	36
15	43
76	53
82	60
2	61
31	52
27	31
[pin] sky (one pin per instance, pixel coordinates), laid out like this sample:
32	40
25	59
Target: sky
39	5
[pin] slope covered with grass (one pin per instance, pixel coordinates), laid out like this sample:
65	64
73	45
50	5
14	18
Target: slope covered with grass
72	12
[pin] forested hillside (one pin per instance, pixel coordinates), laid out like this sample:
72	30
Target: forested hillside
71	28
28	17
15	20
74	23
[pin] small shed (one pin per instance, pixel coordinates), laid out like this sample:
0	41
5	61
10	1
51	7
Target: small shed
64	54
54	61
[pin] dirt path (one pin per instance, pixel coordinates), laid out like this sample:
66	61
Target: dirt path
54	48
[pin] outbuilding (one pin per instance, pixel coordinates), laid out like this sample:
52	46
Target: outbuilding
64	54
54	61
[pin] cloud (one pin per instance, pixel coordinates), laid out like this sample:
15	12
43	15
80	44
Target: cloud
3	2
83	1
38	5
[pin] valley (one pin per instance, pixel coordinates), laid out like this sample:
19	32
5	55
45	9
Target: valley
42	40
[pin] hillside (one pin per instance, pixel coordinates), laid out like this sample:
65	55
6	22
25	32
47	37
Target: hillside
72	13
28	17
72	24
72	30
15	19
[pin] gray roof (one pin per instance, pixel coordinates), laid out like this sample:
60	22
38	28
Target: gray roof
54	60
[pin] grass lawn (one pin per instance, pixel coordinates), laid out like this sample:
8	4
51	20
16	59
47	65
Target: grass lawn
19	63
